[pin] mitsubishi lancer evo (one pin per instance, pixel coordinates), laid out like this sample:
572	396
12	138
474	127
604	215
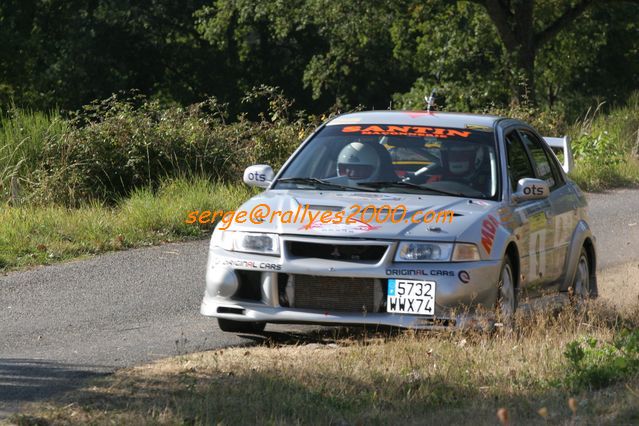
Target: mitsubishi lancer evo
513	227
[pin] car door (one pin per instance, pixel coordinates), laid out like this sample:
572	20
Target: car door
561	214
532	227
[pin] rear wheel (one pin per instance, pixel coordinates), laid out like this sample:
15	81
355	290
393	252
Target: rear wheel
506	296
248	327
581	284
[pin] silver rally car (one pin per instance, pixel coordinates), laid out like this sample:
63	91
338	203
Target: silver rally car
518	228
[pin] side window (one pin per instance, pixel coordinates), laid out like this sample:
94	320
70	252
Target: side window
518	163
540	159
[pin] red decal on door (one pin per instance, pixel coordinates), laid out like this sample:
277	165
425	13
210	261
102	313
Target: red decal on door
488	231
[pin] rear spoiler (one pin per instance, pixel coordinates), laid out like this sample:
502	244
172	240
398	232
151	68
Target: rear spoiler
562	145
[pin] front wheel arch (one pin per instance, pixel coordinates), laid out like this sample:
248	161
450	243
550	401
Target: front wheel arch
513	253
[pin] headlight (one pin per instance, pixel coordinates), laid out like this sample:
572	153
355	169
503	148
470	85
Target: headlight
247	242
423	252
465	252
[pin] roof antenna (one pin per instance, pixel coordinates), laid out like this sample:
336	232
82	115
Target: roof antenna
430	100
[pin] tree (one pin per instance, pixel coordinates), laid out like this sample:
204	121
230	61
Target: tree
323	53
514	21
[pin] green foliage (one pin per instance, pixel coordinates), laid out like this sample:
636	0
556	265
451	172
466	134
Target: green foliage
456	49
116	145
605	147
598	147
564	61
326	55
595	364
112	147
23	135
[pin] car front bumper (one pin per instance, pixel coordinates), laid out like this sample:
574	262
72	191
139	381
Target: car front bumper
462	288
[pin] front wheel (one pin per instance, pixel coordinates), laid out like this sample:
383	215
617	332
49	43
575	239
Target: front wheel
247	327
506	295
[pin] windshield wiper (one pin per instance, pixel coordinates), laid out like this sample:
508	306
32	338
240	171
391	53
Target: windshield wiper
319	182
401	184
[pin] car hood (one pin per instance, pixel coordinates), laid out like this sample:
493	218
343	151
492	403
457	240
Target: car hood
467	211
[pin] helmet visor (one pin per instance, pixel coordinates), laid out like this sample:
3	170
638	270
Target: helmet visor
355	171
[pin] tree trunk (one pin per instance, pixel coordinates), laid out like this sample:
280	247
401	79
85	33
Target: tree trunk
514	23
526	66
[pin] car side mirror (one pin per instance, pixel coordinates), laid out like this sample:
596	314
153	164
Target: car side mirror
531	189
260	175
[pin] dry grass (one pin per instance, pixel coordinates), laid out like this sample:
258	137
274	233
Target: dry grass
340	376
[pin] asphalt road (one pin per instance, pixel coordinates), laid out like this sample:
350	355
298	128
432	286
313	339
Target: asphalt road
62	324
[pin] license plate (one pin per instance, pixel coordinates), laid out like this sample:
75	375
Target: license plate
411	297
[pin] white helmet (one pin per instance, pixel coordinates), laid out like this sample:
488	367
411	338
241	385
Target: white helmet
357	161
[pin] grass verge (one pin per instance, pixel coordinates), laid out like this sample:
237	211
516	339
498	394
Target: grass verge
356	376
606	148
35	235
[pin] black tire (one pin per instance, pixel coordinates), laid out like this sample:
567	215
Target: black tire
581	287
506	305
247	327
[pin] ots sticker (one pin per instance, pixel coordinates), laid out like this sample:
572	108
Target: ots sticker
421	131
488	231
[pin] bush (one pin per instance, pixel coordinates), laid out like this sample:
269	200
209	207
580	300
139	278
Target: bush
605	147
23	134
598	147
116	146
594	364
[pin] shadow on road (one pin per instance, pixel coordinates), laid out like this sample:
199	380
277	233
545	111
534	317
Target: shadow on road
28	380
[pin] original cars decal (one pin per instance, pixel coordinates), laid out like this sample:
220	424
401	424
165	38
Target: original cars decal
409	272
253	264
488	231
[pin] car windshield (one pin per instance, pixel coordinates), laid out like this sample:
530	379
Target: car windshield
405	159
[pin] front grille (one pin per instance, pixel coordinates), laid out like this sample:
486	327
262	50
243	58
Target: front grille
343	294
346	252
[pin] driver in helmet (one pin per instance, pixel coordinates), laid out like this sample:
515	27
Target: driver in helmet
358	161
460	160
464	163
